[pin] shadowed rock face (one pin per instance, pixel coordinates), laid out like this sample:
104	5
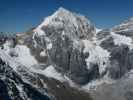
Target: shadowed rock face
69	60
120	57
119	62
3	91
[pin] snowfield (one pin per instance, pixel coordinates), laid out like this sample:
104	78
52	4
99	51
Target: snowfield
24	56
51	72
121	39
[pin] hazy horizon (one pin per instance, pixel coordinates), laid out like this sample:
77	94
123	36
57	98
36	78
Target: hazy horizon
20	15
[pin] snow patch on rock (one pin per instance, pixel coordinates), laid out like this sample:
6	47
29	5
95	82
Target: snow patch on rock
24	56
121	39
98	55
51	72
98	30
6	46
43	53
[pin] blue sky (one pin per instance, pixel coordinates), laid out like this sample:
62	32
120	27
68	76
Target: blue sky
20	15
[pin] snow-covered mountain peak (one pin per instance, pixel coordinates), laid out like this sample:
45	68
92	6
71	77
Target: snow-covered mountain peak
125	26
61	11
58	16
66	22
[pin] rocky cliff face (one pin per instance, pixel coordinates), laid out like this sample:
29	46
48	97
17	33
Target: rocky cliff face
66	50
